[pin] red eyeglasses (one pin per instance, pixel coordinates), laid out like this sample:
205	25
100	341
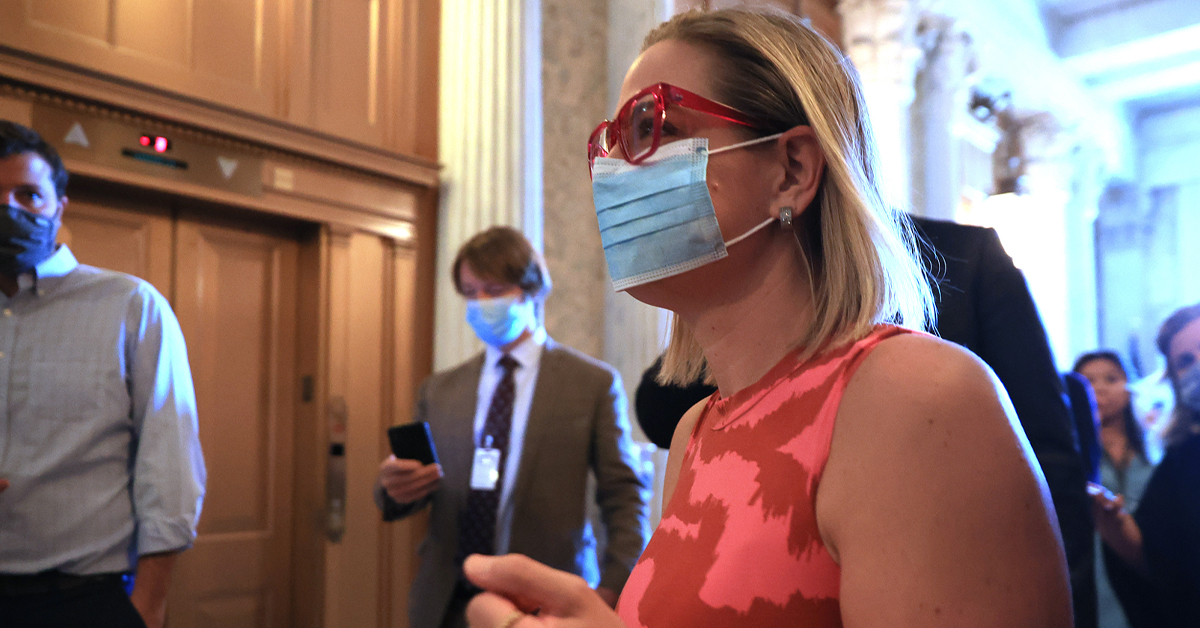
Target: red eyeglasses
638	126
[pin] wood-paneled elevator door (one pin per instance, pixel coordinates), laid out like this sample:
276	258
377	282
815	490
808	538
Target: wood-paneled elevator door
233	285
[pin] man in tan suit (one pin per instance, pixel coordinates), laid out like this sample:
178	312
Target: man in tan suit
517	430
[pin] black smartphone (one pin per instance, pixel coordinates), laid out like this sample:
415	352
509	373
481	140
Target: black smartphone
413	441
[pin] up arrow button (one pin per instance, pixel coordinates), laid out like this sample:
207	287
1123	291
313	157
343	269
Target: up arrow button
76	136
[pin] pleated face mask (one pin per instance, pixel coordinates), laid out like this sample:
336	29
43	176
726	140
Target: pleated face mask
657	218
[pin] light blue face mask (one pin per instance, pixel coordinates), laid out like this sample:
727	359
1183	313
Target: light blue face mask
657	218
502	320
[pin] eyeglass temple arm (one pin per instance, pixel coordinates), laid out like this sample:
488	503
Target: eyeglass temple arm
711	107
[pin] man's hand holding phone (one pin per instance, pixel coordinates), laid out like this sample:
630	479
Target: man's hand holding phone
407	481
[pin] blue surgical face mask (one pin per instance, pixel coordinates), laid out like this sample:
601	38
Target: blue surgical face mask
26	239
1189	387
502	320
657	218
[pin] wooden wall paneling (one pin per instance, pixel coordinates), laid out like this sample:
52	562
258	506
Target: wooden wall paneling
312	443
400	69
338	382
24	78
80	19
428	60
122	234
296	45
370	404
390	358
349	86
406	535
412	76
385	219
236	303
359	321
19	111
222	51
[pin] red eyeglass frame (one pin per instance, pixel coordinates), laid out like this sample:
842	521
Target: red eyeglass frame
664	94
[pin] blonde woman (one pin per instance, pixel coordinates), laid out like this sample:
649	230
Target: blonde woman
848	471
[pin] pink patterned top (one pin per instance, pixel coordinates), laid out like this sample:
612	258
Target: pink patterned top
738	544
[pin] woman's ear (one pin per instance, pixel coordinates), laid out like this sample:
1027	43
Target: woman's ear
803	169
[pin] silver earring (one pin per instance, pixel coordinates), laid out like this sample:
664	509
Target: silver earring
785	217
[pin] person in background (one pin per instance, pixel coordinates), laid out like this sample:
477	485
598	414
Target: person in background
1126	462
736	186
517	428
101	473
1161	539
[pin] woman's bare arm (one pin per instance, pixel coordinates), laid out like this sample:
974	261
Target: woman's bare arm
932	501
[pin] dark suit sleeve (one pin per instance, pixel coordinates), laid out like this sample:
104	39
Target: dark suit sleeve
1013	342
1083	411
622	489
393	510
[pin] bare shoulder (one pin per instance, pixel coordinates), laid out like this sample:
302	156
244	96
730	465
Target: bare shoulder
921	368
929	480
938	399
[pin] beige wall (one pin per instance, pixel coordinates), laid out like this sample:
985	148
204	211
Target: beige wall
574	86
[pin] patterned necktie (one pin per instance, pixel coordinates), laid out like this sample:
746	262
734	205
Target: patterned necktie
477	522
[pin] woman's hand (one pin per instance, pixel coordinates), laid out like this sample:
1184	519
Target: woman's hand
1117	527
520	592
407	481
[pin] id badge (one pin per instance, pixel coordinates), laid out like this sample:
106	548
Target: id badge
486	470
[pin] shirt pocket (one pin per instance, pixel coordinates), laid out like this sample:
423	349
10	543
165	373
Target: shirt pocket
69	402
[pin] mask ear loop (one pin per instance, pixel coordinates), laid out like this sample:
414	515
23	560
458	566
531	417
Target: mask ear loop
757	140
763	224
750	232
785	221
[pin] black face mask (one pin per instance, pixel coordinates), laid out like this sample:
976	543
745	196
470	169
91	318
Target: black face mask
26	239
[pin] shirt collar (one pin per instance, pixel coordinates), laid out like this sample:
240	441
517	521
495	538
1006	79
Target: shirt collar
49	273
527	354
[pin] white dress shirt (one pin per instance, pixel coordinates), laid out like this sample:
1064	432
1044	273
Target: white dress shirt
98	429
528	355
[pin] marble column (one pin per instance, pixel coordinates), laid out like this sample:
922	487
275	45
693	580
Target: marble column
940	103
489	142
575	80
880	38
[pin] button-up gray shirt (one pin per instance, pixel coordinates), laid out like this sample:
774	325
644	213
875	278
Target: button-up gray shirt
98	432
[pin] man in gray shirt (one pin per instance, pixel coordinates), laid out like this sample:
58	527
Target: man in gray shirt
101	474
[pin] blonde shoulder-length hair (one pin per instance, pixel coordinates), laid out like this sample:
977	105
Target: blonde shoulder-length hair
859	251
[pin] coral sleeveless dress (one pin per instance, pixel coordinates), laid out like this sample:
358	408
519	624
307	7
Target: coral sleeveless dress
738	544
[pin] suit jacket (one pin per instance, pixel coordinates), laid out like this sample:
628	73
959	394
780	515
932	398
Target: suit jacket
577	423
984	305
